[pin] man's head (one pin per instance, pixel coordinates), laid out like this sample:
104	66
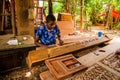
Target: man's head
50	20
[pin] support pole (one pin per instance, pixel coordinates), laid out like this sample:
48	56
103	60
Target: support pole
50	6
3	17
13	18
67	6
81	15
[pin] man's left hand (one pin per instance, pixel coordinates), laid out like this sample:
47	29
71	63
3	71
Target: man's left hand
61	42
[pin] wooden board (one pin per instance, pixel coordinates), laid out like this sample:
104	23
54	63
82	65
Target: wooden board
64	66
36	56
47	76
95	56
64	17
66	27
29	42
56	51
42	54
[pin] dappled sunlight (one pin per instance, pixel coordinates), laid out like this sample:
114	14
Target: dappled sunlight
115	40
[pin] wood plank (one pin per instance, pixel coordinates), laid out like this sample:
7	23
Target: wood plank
57	68
60	50
47	76
70	62
95	56
24	43
36	56
66	27
64	17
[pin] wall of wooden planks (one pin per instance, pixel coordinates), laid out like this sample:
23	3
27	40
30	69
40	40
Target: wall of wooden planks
24	25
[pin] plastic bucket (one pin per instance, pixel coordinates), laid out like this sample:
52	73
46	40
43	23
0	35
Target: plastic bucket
100	34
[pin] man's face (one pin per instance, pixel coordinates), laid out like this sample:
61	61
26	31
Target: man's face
51	24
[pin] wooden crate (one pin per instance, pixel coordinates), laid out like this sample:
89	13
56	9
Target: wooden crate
64	66
64	17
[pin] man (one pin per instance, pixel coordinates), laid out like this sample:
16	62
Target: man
46	34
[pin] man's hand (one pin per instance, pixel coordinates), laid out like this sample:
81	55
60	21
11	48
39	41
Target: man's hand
61	42
44	46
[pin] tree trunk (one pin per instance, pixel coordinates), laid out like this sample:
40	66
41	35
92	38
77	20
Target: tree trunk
50	6
67	6
81	15
109	18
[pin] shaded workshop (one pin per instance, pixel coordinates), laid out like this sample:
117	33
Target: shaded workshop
89	52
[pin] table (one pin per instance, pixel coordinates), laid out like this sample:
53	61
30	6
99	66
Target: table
14	56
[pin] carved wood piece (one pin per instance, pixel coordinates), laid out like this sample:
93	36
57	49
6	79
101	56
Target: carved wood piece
47	76
59	66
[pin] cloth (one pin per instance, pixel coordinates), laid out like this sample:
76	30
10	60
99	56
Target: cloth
47	37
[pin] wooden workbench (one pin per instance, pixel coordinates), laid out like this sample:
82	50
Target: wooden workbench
14	56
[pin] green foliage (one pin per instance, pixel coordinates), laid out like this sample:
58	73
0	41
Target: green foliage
57	7
116	4
95	7
116	25
46	4
92	8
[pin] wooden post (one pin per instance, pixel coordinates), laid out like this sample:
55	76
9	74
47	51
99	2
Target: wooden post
67	6
109	19
25	26
1	2
50	6
81	15
13	18
3	17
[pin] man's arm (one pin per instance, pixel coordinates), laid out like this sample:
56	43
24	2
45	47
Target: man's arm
38	43
59	38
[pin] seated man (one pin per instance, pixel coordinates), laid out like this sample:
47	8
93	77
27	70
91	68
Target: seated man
46	33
